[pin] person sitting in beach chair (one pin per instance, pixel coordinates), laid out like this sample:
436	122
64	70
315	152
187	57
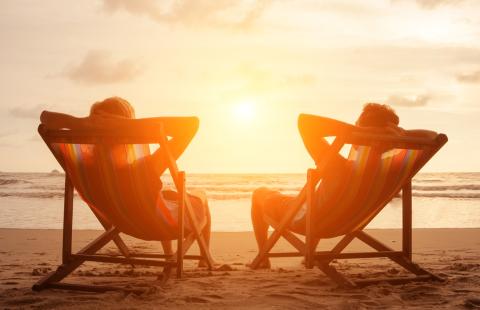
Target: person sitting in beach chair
106	157
342	194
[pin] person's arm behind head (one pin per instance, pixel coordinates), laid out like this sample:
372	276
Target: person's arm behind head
313	129
55	120
181	130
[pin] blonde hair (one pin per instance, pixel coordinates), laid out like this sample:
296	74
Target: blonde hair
113	106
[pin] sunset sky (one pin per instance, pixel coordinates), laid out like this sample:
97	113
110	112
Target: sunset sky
246	68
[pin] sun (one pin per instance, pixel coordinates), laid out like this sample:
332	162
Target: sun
244	111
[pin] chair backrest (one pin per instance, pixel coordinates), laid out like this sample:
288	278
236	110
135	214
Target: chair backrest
376	172
115	179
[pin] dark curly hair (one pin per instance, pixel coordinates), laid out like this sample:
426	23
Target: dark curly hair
377	115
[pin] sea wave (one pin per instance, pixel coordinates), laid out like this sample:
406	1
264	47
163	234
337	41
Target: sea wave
38	195
471	195
240	187
447	187
12	181
223	195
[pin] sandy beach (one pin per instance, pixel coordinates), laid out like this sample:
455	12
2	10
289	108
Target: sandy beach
453	254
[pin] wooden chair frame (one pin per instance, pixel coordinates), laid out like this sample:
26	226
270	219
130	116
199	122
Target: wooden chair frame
70	261
322	259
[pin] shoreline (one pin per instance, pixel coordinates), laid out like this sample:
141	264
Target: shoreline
418	229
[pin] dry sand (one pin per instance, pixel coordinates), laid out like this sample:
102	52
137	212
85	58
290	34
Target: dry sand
453	254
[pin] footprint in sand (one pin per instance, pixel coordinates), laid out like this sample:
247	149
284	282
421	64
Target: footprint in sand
464	267
422	292
282	296
472	303
193	299
24	301
213	296
316	282
41	271
10	283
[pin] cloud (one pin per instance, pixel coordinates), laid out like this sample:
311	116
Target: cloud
27	112
403	101
472	77
207	13
98	67
432	4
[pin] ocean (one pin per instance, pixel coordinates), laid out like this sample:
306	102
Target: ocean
440	200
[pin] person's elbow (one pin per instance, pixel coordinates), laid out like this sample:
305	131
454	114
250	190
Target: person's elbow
303	121
191	127
195	124
44	116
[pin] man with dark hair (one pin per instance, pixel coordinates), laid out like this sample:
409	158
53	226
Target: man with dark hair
375	118
377	115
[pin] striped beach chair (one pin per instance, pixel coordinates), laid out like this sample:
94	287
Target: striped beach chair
109	171
379	167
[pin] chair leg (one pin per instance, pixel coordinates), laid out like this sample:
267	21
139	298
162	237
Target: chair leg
121	246
336	276
341	245
181	222
403	261
202	244
330	271
67	268
310	245
407	219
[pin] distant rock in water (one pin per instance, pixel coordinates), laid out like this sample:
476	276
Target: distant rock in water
55	172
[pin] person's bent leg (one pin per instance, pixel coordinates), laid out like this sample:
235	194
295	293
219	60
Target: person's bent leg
202	214
260	226
167	247
263	204
266	202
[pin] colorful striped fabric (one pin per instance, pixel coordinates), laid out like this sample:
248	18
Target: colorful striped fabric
372	178
119	185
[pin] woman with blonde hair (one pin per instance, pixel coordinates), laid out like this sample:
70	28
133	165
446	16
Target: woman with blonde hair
106	114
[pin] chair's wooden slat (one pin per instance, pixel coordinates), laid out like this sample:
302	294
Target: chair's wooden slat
407	219
311	184
285	254
289	236
181	222
328	256
67	221
122	260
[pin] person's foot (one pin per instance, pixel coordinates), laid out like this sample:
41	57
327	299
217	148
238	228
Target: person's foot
203	263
